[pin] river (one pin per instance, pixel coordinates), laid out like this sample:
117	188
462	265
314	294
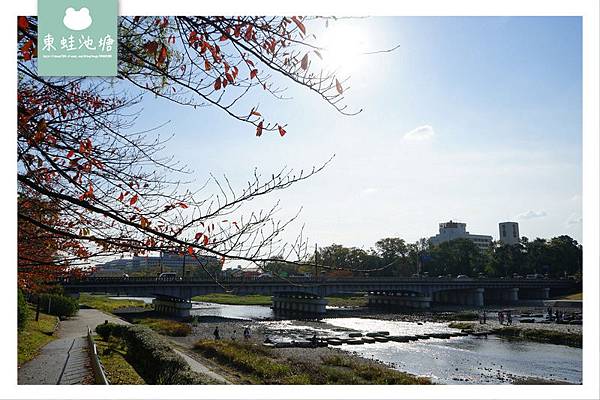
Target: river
467	359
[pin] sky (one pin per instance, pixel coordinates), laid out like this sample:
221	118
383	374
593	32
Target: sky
474	119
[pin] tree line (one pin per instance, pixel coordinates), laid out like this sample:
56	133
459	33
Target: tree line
556	257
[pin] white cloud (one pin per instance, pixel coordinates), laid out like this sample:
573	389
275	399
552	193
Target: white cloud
77	20
421	133
532	214
369	190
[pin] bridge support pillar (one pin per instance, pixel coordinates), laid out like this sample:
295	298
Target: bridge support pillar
511	295
298	303
535	293
174	307
399	300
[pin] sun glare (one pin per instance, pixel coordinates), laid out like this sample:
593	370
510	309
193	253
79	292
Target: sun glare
343	46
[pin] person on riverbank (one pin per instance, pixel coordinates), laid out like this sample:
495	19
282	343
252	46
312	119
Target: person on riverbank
247	333
216	333
501	317
508	318
484	317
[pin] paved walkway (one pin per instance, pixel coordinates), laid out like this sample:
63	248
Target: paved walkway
201	368
65	361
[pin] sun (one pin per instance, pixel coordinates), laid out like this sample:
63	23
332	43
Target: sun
343	46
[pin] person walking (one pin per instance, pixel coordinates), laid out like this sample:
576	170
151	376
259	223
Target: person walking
216	333
247	333
509	318
484	317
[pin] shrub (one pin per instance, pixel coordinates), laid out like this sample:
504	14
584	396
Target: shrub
22	311
154	360
61	306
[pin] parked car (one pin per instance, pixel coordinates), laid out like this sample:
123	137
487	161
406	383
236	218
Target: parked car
463	277
168	276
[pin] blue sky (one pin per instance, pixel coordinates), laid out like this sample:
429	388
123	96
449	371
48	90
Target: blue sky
472	119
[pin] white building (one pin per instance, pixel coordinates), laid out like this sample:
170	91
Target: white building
509	232
458	230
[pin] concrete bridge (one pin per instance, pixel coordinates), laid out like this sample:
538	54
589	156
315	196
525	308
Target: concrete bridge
307	294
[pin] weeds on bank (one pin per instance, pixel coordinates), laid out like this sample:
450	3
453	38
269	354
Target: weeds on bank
262	366
165	326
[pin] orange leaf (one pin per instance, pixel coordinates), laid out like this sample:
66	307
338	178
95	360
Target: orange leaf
191	251
23	23
206	65
338	86
259	128
253	73
304	62
281	130
217	85
299	24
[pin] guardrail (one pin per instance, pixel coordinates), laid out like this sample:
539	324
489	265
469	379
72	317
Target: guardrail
99	375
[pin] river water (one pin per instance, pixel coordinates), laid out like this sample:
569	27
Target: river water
466	359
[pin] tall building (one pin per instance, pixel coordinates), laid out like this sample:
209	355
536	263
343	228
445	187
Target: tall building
509	232
458	230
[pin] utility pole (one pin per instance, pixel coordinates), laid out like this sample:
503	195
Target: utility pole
316	262
160	261
183	272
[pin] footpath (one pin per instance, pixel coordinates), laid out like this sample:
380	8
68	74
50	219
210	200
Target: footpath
65	361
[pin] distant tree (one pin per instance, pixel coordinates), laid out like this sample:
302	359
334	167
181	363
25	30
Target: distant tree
455	257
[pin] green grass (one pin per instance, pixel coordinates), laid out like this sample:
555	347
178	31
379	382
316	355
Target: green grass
261	300
226	298
542	335
574	296
259	365
117	369
108	305
35	335
165	326
346	301
461	325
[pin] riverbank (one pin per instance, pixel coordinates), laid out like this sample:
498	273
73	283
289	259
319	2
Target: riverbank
250	362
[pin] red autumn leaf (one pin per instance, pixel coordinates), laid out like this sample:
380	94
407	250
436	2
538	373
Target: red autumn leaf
27	46
253	73
248	35
162	56
259	128
229	77
225	82
198	236
338	86
183	205
121	196
235	72
151	47
237	31
23	23
206	65
217	84
133	200
192	38
223	37
255	113
304	62
191	251
144	222
70	154
205	240
282	131
299	24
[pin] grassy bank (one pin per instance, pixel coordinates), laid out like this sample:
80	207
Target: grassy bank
261	300
117	369
256	364
165	326
461	325
104	303
574	296
226	298
35	335
541	335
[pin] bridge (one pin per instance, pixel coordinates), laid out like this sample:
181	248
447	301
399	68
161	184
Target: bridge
308	294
